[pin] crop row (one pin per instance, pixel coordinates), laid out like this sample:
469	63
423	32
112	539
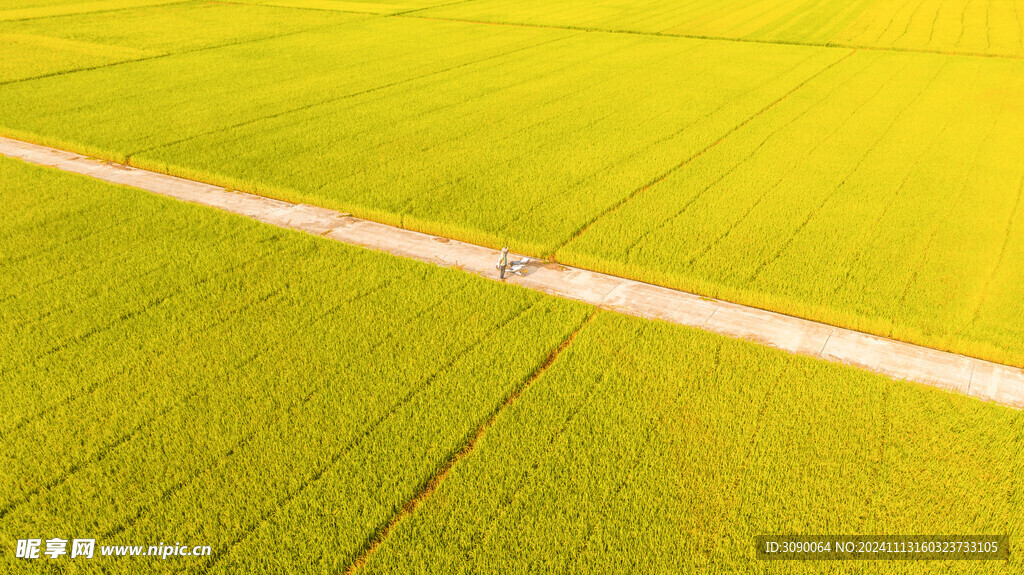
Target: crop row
991	27
650	447
39	46
234	402
867	189
885	206
30	9
288	409
356	6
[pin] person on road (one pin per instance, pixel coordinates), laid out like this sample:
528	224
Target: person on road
502	262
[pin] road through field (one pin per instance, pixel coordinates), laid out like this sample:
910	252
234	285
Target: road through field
871	190
952	372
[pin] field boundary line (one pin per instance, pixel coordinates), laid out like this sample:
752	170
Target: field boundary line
1002	253
87	12
892	358
333	100
407	12
270	514
329	101
161	55
832	45
466	450
265	4
352	10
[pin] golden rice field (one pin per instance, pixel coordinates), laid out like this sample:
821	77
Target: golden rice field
173	373
872	189
991	27
170	373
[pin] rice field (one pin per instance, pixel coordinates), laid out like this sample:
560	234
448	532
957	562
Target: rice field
170	373
35	47
637	464
641	465
267	362
177	373
991	28
29	9
872	189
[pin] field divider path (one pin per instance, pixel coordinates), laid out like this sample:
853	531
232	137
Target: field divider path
463	452
714	38
898	360
157	55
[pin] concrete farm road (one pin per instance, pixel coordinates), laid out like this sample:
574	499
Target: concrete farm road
902	361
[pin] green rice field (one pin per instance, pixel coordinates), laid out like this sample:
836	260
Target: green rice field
172	374
990	28
180	373
837	180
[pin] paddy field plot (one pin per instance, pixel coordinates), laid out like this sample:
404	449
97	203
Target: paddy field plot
265	361
353	6
36	47
637	464
29	9
988	27
870	189
173	372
